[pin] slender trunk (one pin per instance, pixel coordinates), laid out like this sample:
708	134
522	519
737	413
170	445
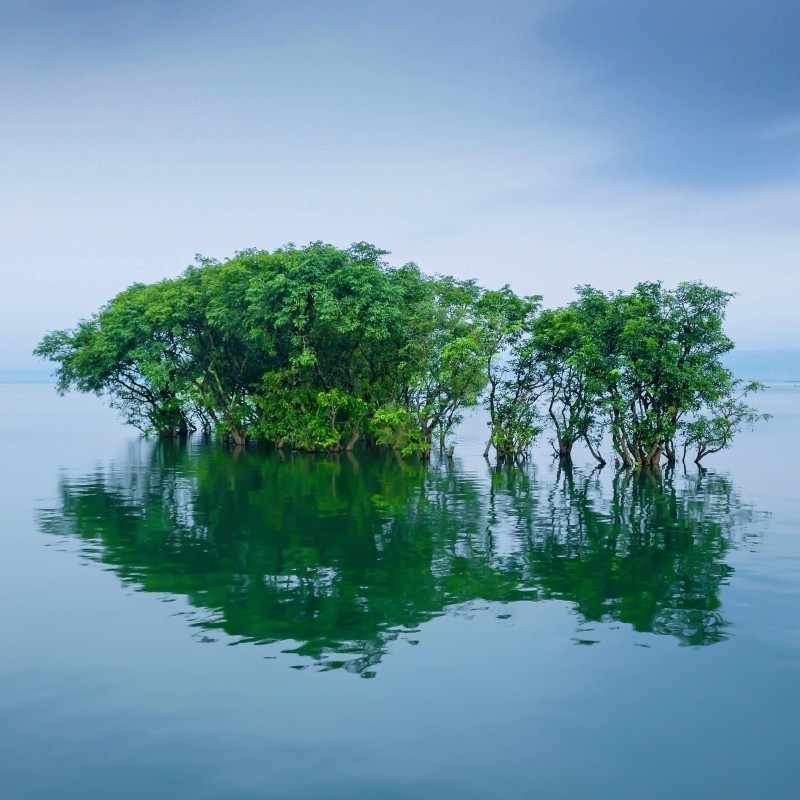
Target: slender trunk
353	440
703	452
489	443
621	443
600	460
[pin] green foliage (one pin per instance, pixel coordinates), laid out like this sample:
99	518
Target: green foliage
713	430
301	347
667	351
400	430
644	366
563	351
131	351
510	397
443	361
317	348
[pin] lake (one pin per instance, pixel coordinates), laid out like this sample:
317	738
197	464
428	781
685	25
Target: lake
181	620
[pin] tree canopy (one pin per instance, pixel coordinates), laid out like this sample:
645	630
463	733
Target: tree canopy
319	348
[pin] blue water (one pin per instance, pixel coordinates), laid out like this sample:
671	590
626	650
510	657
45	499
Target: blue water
186	622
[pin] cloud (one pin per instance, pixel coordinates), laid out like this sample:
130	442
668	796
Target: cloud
543	145
684	84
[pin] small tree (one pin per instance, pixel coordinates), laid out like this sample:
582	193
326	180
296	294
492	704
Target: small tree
714	429
505	321
564	347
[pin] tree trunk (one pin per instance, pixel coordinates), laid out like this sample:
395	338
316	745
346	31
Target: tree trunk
489	443
600	460
622	448
653	456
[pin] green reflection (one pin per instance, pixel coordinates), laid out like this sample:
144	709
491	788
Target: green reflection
338	557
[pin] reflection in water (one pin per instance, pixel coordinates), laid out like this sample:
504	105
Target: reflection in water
337	558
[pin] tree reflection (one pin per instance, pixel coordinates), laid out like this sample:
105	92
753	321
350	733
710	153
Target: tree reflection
338	557
648	552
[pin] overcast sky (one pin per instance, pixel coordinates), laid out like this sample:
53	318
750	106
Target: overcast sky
541	144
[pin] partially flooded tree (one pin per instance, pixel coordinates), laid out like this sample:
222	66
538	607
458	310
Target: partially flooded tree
661	364
564	348
506	321
318	348
313	348
443	363
134	351
714	429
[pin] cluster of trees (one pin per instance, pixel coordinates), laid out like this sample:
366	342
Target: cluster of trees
316	348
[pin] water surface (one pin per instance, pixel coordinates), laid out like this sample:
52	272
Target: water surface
183	620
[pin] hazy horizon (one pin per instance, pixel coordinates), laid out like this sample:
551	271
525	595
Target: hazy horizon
772	365
541	144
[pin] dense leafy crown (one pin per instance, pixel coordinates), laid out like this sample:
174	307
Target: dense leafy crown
318	348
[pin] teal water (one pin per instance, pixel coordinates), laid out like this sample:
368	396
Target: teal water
185	621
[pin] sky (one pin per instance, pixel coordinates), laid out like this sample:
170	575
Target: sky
541	144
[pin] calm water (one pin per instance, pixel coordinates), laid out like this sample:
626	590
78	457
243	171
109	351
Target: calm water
181	621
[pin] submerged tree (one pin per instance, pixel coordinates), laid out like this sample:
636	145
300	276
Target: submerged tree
443	365
135	351
510	397
303	347
646	367
668	366
713	429
564	349
319	348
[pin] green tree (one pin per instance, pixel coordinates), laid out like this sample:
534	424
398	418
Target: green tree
565	349
713	429
135	352
443	362
318	348
668	365
505	321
